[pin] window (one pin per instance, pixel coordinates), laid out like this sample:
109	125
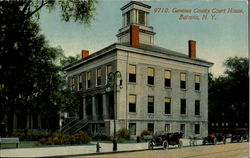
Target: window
141	17
151	127
150	104
183	80
80	82
132	73
197	129
167	106
150	76
167	78
167	128
98	77
197	107
128	17
197	82
88	79
132	103
132	128
182	129
183	106
108	71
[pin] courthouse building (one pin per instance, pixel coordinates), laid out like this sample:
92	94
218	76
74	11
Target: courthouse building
155	88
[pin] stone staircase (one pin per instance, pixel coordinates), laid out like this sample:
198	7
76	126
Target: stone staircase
74	126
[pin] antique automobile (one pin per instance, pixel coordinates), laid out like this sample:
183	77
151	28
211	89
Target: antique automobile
214	138
165	140
239	135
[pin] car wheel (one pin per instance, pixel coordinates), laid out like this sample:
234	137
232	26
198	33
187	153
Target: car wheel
180	144
215	141
150	145
241	139
165	145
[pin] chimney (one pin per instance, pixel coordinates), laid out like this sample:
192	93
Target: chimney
192	49
134	36
85	53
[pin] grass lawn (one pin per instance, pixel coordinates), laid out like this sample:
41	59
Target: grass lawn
22	144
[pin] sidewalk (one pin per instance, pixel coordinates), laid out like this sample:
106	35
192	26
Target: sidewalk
79	149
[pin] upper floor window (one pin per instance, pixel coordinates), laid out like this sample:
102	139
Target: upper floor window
98	77
132	103
108	71
150	104
128	17
167	75
197	82
141	17
151	76
183	80
132	73
183	106
80	82
89	75
197	107
167	106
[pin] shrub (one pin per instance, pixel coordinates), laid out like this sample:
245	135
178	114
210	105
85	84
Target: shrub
123	133
82	138
61	139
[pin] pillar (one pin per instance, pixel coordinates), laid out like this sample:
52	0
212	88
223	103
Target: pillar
84	107
39	121
14	122
93	107
104	106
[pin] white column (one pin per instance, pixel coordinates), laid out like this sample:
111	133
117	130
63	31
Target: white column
104	105
84	107
93	107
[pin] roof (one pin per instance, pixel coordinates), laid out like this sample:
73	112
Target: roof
145	47
162	50
137	3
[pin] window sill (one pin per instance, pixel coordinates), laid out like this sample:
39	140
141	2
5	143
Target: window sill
133	83
183	115
197	115
168	87
168	115
150	85
132	113
183	89
197	91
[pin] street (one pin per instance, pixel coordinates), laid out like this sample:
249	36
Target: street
230	150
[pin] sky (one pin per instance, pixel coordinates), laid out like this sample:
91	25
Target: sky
223	34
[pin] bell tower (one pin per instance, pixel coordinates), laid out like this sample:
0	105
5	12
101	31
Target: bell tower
135	25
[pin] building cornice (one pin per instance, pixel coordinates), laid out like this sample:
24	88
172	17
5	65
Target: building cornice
180	57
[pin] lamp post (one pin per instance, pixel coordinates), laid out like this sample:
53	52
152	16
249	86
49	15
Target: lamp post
112	81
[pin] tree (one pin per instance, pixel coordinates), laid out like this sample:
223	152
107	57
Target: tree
81	11
30	82
228	94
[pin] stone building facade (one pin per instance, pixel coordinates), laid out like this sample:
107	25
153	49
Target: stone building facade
158	89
